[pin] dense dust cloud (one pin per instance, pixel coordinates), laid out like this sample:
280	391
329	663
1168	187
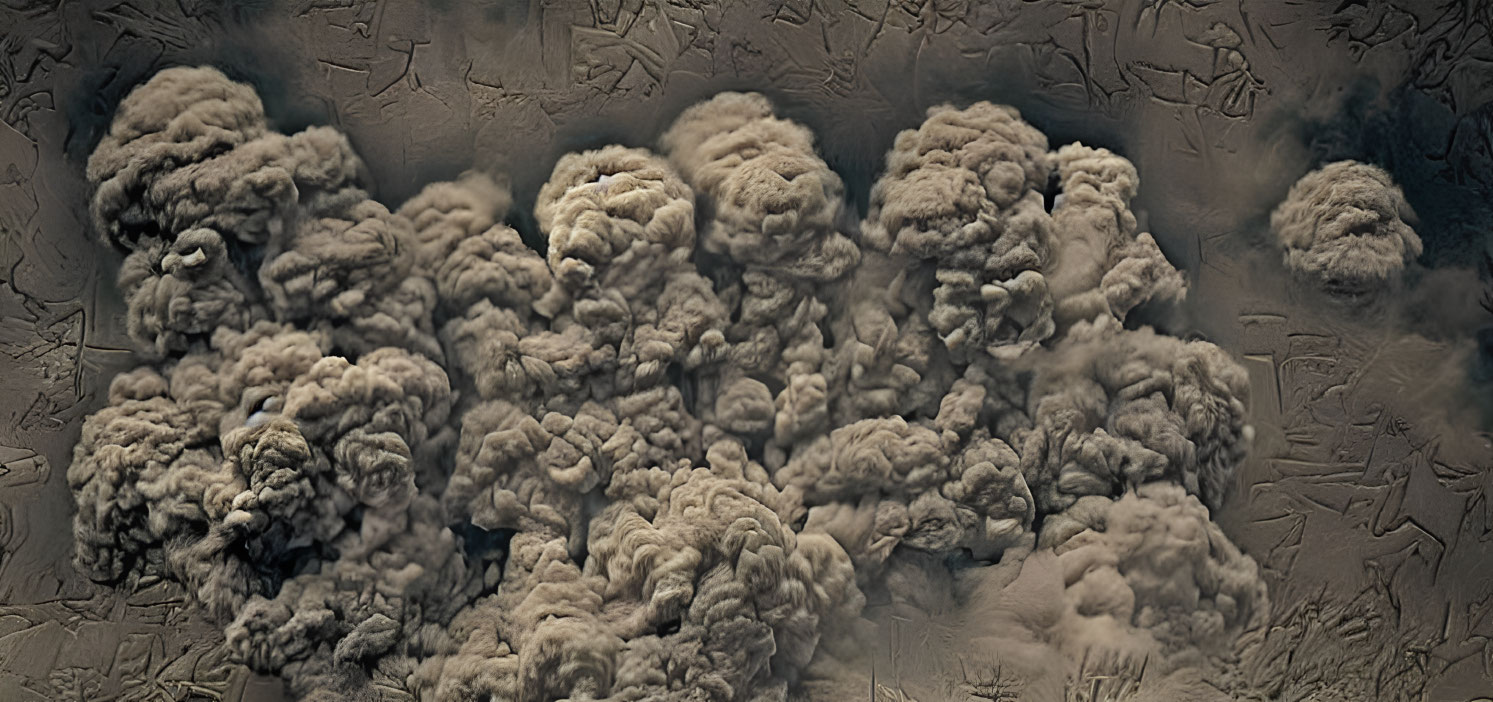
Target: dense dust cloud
689	451
1343	227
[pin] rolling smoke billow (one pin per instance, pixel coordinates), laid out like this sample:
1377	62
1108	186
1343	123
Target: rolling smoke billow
1343	228
715	442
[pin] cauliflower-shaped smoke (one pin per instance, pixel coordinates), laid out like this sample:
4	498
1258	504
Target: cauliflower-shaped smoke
1343	227
398	453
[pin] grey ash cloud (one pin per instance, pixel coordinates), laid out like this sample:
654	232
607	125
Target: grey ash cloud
1344	227
691	451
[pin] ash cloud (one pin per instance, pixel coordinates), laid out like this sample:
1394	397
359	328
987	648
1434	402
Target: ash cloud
697	448
1343	226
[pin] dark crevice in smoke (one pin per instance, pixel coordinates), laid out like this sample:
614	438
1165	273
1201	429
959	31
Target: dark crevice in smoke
1050	193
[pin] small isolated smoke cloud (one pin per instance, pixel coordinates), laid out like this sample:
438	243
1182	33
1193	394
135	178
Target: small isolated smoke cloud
402	455
1343	227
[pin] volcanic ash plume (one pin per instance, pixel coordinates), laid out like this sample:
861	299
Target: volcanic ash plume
1343	227
397	453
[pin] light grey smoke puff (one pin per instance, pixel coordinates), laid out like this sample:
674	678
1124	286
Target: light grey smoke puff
602	204
180	117
621	230
191	155
1113	408
398	452
775	202
1343	226
1102	264
964	192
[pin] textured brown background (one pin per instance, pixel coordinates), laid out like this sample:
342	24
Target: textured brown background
1367	499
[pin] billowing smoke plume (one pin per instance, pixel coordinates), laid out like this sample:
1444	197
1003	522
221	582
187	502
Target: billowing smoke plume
401	453
1343	227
